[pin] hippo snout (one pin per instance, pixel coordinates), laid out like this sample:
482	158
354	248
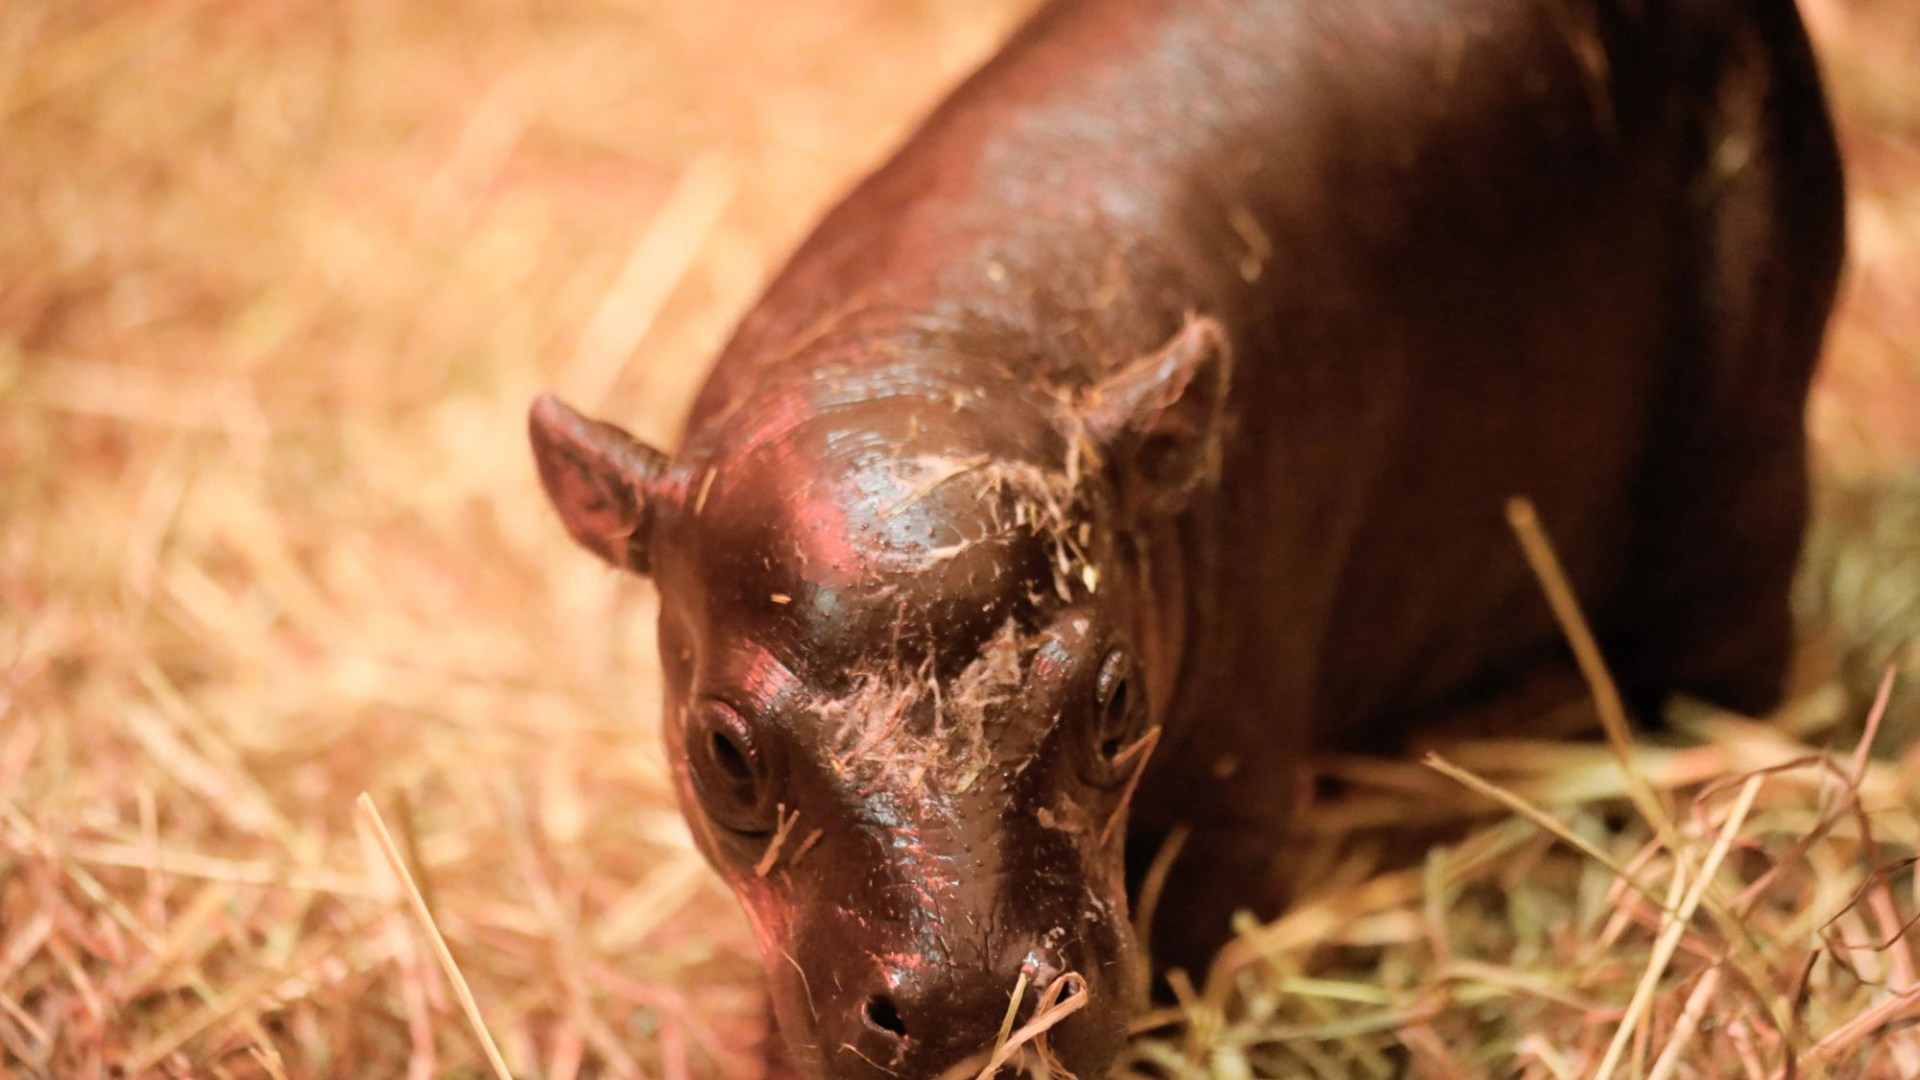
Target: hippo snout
917	1021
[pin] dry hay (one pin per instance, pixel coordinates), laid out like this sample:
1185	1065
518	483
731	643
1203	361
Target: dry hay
1753	924
276	281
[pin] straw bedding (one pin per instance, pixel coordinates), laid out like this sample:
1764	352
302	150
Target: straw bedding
276	282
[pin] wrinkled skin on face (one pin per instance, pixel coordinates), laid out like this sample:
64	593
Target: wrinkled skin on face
903	698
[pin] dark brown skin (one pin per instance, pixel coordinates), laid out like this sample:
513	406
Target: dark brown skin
1167	386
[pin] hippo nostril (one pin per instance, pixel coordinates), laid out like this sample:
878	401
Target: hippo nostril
881	1015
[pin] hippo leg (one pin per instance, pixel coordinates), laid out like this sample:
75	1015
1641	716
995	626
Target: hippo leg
1228	865
1222	868
1726	506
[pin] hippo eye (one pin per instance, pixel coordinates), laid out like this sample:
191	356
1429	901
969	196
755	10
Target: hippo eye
1119	708
729	770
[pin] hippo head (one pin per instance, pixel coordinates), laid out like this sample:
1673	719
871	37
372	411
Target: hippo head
908	689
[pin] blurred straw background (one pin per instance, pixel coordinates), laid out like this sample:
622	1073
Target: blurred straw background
277	279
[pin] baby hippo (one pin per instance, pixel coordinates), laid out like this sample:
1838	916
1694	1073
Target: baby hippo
1143	427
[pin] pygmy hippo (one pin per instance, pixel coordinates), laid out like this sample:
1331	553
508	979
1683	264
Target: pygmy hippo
1143	426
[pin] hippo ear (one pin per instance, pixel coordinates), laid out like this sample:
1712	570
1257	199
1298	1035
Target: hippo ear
605	483
1159	423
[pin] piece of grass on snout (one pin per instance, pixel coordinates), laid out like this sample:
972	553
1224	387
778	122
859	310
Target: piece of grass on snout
1067	994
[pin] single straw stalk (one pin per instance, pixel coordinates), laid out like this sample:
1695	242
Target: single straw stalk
398	864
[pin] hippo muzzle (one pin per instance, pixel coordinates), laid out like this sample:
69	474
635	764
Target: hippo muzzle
897	952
